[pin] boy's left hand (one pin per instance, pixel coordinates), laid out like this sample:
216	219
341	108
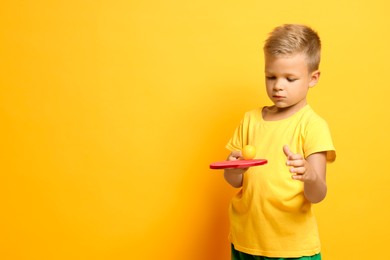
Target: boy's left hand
298	164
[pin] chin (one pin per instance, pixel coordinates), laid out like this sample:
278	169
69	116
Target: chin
281	105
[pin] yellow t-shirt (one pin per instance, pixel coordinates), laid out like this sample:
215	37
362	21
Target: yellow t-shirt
270	215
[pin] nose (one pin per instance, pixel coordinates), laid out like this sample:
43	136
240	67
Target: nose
278	86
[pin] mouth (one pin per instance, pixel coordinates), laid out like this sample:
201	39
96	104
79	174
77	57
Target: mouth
278	97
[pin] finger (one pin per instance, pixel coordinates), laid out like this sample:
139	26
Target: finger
298	170
287	151
235	155
295	156
299	162
298	177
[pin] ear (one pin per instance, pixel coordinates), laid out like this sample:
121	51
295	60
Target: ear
314	78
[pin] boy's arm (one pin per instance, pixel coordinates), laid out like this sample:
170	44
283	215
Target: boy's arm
311	171
234	176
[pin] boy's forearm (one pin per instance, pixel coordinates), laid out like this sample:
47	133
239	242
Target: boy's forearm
311	171
315	189
234	176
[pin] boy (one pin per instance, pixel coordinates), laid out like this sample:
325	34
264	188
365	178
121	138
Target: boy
271	215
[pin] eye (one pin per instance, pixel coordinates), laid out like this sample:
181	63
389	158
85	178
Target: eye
270	77
291	79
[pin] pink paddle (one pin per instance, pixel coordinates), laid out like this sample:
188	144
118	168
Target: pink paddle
237	164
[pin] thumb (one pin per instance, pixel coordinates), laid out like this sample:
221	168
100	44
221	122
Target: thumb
287	151
235	155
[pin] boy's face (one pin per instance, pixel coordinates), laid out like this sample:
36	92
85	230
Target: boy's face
288	79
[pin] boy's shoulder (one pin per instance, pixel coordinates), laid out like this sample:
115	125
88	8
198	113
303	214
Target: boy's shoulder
254	111
254	114
311	122
312	116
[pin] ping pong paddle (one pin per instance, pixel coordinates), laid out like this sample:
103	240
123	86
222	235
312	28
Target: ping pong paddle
237	164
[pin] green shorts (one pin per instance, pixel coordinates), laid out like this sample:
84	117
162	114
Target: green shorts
237	255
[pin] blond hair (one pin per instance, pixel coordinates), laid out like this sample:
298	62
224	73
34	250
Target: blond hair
291	39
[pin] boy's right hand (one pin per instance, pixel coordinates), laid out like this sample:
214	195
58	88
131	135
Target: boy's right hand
234	175
235	155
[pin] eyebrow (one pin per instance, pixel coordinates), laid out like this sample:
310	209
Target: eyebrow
284	74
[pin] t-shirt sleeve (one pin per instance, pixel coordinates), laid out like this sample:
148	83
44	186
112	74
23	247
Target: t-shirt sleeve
244	131
236	141
240	135
318	139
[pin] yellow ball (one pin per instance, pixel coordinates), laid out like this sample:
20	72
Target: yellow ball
249	152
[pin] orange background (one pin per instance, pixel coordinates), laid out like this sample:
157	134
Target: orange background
111	111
